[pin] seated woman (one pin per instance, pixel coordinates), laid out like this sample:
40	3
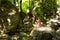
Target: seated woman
41	33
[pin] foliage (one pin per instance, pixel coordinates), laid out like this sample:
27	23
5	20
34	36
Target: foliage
48	8
17	17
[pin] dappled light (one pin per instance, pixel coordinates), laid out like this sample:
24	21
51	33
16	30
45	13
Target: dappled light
23	0
12	13
29	19
9	21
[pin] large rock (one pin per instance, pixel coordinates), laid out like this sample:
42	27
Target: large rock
43	34
8	15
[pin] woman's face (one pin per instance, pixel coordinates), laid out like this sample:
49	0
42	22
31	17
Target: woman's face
38	21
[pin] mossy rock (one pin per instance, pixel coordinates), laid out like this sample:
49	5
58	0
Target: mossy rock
9	14
42	35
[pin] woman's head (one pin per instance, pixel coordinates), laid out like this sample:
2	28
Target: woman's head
38	20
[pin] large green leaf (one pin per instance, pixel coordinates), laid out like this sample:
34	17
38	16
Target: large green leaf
25	5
